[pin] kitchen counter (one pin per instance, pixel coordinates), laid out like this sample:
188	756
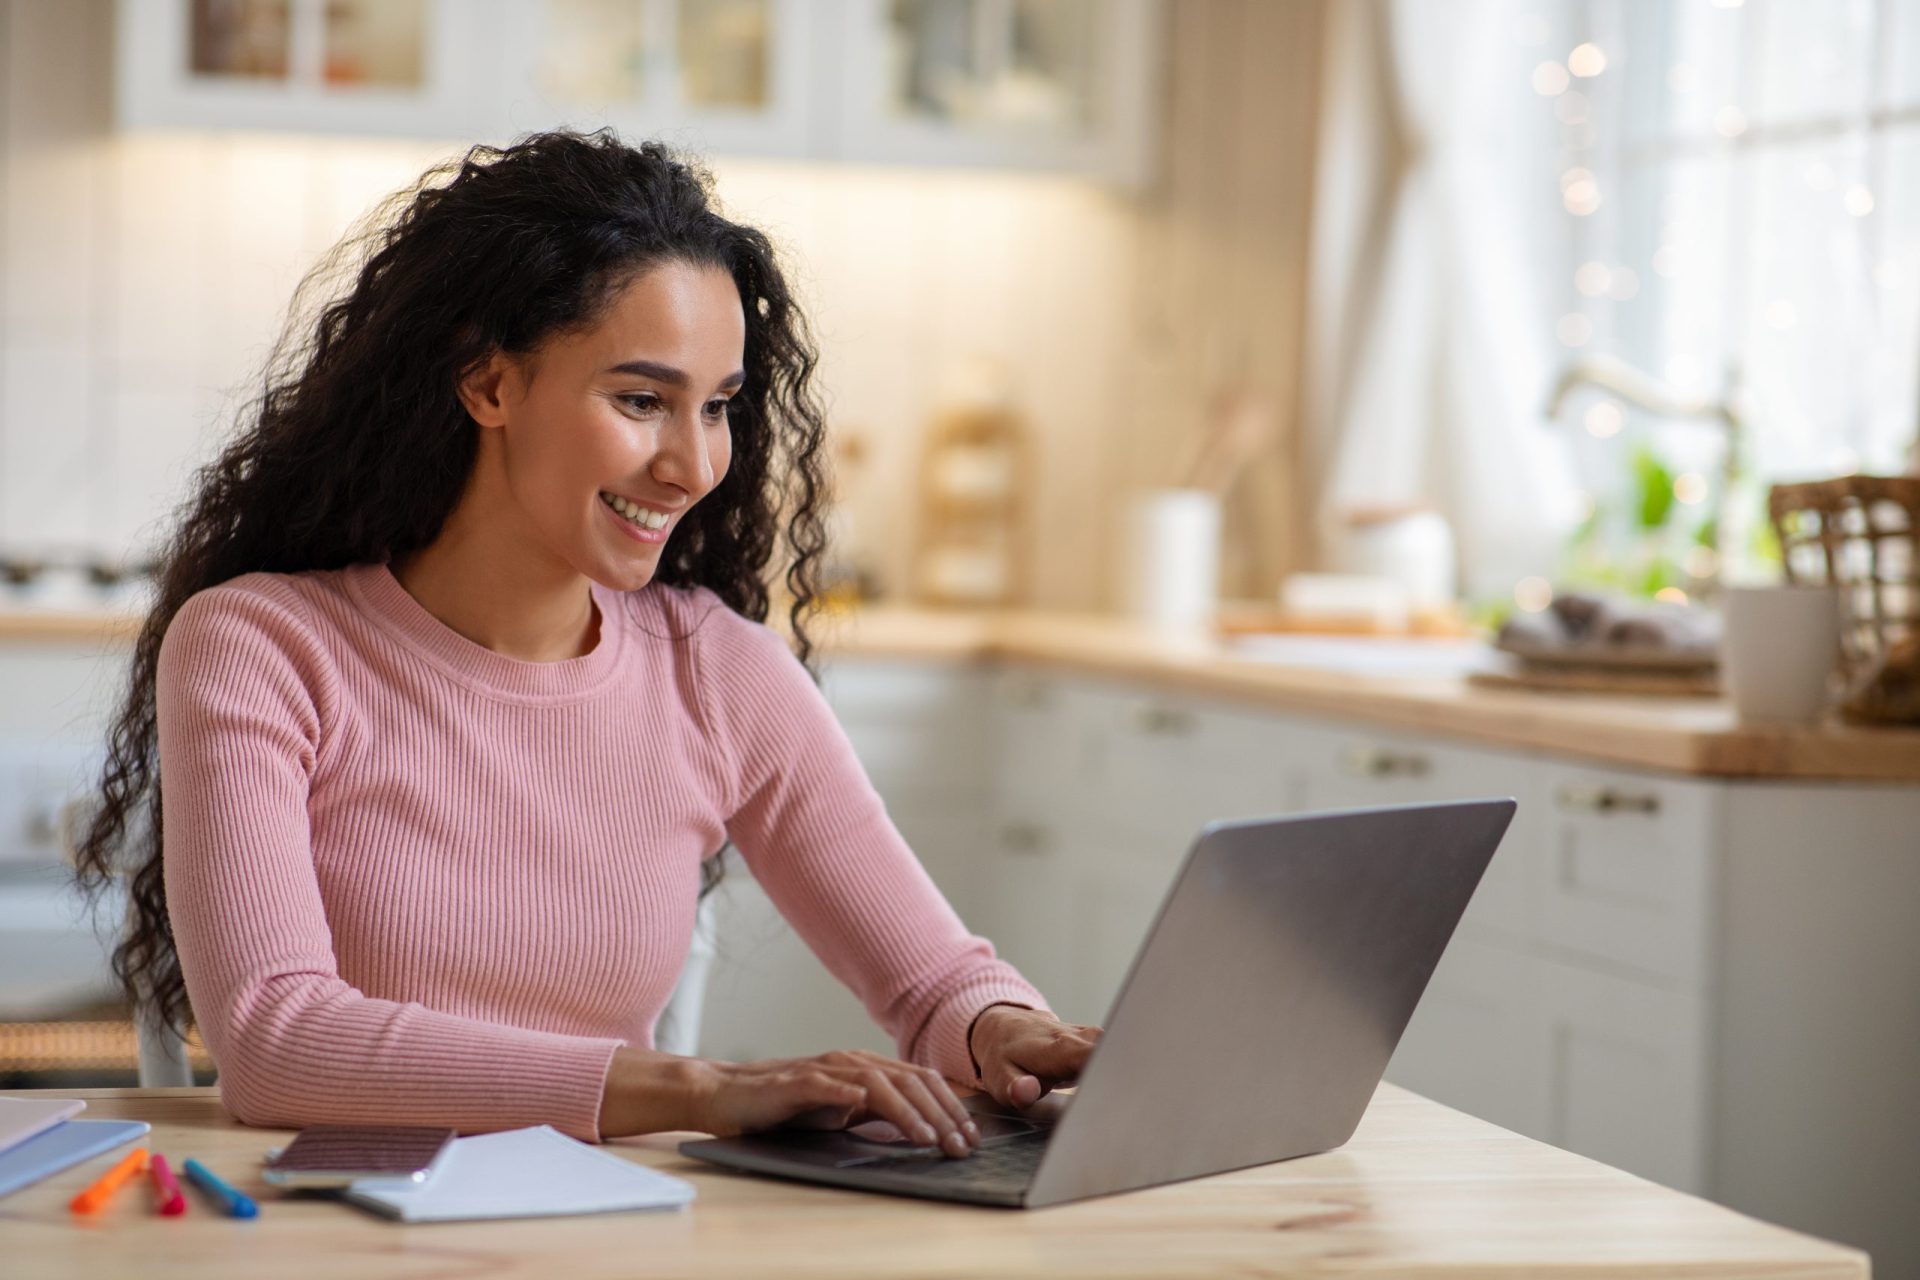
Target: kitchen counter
1420	1191
1696	736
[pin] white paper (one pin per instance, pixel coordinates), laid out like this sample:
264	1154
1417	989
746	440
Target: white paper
523	1173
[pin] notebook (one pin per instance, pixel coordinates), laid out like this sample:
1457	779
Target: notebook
21	1118
61	1147
522	1173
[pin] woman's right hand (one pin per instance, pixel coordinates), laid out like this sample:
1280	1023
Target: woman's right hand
832	1091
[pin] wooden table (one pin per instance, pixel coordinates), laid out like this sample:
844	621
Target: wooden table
1421	1190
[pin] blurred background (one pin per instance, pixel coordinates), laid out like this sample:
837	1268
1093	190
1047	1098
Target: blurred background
1433	375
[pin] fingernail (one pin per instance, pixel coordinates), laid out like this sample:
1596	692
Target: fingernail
973	1130
956	1144
924	1132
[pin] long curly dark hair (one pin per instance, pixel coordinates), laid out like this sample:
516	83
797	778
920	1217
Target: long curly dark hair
356	447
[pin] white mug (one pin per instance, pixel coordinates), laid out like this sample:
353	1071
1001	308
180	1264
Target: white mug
1171	570
1779	647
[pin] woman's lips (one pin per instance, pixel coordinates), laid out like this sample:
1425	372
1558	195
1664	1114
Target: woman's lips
632	530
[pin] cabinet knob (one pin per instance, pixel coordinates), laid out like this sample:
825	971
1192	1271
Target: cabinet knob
1607	800
1024	837
1381	762
1157	719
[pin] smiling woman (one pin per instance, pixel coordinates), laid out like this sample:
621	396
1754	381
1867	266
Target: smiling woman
458	681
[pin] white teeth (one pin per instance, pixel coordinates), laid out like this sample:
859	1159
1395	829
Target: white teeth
645	517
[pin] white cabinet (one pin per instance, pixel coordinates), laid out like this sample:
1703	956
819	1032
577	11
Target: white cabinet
1062	85
1065	86
1706	982
738	77
411	68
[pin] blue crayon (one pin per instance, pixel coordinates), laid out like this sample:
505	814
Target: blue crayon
232	1202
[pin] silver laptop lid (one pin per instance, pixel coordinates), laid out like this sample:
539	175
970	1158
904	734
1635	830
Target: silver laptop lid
1261	1009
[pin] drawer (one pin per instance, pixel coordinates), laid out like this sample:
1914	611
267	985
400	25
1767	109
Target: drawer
918	728
1627	870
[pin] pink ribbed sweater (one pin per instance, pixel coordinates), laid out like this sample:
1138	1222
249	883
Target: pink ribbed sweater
417	881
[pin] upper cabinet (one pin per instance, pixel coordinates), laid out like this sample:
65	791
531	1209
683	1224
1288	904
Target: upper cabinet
727	76
1041	84
392	67
1057	85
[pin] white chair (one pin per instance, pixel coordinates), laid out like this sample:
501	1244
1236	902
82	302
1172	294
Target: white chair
163	1053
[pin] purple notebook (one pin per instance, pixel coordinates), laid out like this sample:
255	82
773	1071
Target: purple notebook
62	1147
21	1118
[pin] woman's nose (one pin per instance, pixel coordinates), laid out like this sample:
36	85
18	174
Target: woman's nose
682	457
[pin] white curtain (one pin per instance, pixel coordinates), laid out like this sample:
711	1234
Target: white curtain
1431	344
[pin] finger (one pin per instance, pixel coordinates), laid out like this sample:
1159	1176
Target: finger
951	1139
883	1096
1009	1084
943	1094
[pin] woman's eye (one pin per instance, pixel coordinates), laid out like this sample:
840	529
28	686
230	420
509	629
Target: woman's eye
643	402
716	408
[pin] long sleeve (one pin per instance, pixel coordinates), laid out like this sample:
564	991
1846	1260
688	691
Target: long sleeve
818	839
245	696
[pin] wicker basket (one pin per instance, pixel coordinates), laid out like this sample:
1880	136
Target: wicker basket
1857	532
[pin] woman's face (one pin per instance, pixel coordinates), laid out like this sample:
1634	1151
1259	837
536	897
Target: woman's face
633	410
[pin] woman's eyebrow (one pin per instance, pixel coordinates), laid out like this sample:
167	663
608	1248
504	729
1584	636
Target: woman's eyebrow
671	376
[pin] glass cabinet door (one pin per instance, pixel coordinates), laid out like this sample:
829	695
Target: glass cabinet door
1052	84
398	67
720	75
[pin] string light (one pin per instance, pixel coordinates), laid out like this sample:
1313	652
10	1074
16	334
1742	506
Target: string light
1586	60
1666	261
1550	79
1670	595
1604	420
1729	121
1533	594
1593	279
1624	286
1858	200
1690	487
1571	107
1579	192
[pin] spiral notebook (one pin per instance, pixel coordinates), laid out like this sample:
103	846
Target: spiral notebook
522	1173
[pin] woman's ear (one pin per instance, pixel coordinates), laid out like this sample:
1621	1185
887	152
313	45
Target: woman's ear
484	389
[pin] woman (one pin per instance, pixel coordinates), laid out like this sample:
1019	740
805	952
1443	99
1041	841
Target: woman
459	683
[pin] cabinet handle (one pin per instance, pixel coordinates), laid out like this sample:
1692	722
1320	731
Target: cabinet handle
1024	837
1607	800
1380	762
1157	719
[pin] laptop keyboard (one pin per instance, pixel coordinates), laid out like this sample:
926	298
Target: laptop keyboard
1001	1163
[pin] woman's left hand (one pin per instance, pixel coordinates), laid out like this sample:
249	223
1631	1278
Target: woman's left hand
1023	1053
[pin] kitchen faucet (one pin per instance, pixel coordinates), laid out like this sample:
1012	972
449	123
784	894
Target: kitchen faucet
1632	386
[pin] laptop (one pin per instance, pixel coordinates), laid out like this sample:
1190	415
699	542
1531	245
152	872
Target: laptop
1254	1024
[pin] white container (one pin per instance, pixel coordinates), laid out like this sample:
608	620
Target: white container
1779	647
1413	547
1170	573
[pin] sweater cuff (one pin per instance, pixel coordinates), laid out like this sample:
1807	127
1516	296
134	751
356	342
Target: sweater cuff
943	1041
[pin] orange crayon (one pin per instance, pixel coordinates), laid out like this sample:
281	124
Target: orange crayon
96	1195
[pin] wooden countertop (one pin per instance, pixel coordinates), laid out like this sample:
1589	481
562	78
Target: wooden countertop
1686	735
1697	736
1420	1191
